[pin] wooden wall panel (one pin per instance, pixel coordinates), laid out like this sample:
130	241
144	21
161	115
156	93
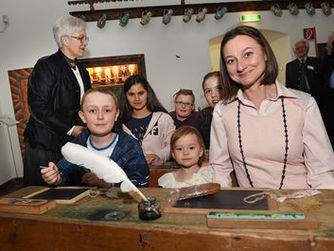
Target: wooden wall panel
18	80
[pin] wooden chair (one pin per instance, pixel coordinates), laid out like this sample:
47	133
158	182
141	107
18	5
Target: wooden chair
157	171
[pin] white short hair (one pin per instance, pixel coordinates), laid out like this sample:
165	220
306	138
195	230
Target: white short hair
301	41
67	25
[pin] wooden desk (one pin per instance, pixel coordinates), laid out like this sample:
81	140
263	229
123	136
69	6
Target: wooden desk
67	228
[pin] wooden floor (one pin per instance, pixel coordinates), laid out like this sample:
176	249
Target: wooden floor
11	186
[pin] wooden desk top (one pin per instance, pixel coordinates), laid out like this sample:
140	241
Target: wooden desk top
67	227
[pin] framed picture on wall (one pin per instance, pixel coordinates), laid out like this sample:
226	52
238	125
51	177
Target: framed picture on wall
111	72
18	81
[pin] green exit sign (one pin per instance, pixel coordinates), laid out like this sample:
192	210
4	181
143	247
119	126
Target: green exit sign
250	18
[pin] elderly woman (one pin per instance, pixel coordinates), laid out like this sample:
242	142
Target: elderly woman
55	88
272	136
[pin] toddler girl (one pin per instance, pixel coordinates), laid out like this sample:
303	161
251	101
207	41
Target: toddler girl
187	149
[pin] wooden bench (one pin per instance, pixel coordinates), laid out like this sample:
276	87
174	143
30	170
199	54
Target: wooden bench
157	171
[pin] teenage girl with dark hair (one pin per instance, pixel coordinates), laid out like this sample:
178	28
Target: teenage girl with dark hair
143	117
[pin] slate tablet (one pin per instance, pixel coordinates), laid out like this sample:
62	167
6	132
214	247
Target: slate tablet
227	200
62	195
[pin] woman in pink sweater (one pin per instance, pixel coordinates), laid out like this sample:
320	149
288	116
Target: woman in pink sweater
272	136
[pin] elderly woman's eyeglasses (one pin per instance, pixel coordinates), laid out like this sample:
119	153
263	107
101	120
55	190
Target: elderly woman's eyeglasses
80	38
186	104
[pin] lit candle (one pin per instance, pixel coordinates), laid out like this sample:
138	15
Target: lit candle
115	71
98	72
132	69
107	74
91	74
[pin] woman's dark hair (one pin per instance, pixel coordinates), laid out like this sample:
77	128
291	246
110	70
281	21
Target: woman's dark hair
153	104
211	74
230	88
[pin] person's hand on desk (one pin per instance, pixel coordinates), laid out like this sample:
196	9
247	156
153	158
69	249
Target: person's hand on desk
153	159
51	174
92	180
77	130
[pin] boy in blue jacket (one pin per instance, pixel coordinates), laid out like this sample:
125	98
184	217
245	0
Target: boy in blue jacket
100	110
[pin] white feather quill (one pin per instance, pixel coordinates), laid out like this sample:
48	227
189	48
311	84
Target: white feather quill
103	167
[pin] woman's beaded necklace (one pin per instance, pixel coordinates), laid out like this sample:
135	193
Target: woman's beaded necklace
286	145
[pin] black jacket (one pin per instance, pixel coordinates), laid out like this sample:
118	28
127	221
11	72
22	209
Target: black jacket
293	76
327	67
54	102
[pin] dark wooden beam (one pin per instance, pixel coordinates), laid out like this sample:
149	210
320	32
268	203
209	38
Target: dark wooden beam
92	2
136	12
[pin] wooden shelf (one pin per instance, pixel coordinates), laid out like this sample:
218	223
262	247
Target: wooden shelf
92	2
136	12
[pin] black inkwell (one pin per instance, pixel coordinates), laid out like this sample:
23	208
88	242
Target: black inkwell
149	209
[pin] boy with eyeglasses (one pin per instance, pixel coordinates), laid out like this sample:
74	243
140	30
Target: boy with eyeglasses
184	114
